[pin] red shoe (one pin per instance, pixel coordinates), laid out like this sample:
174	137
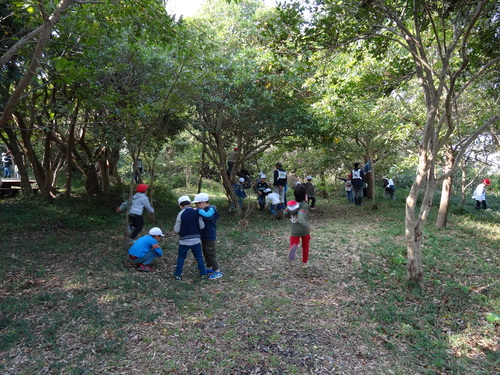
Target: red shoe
144	268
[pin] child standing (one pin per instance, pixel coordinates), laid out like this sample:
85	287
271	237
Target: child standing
210	216
189	225
139	202
480	194
239	190
146	249
298	212
348	187
261	195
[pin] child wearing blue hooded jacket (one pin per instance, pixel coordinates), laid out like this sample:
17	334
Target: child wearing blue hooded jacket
210	216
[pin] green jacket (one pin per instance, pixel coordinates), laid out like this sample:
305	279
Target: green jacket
299	220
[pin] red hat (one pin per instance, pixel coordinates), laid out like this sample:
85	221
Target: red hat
141	188
236	149
292	205
486	181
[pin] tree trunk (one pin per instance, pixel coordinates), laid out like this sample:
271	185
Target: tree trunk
69	150
444	204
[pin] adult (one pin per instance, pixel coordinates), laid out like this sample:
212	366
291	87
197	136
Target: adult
231	159
358	182
480	194
311	192
7	163
138	171
279	183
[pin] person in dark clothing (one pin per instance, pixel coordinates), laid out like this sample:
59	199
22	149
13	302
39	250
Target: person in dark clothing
189	225
210	216
279	183
358	182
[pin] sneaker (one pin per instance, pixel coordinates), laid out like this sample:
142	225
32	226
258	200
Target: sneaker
209	271
178	277
215	275
144	268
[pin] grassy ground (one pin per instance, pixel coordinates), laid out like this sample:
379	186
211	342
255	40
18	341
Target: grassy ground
72	304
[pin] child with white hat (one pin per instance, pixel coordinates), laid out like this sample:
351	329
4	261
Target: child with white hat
146	249
189	225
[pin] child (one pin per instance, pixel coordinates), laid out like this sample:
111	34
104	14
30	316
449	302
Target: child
239	190
146	249
273	200
261	195
310	191
389	188
299	222
480	194
208	234
139	202
189	225
348	187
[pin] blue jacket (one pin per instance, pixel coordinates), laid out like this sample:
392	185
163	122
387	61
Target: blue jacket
210	216
142	246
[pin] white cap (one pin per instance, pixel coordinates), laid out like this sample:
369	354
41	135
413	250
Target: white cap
156	232
268	190
297	183
202	197
241	179
262	175
309	178
184	198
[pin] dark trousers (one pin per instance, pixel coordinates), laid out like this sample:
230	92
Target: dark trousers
311	201
210	254
479	204
136	222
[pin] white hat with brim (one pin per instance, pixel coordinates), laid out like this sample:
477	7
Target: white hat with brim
202	197
184	198
156	232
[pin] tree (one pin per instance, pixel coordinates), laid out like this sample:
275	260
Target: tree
242	97
72	84
441	40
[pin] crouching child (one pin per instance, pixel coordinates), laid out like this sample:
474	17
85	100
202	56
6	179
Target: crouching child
146	249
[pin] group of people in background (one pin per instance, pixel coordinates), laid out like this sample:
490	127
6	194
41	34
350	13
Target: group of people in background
197	227
274	196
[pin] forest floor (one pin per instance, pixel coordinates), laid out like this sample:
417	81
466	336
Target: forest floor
73	304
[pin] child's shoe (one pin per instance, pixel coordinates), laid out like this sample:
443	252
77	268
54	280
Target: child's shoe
144	268
178	277
215	275
209	271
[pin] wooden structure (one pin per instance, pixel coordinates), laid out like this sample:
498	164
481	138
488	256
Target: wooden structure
10	187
